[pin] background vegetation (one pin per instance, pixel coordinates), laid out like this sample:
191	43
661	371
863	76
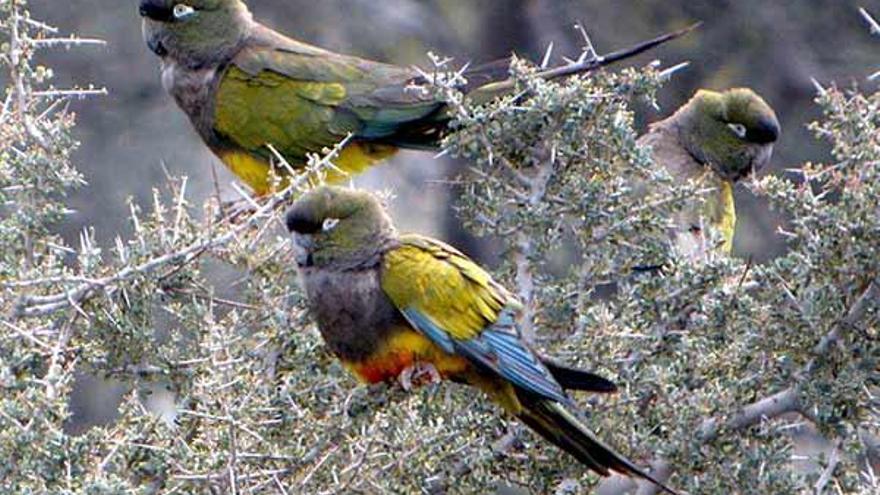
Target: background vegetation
163	296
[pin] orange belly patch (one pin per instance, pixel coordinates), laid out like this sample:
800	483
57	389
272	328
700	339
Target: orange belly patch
382	369
402	350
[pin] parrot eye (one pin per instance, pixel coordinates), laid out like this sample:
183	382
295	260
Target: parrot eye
182	11
329	224
738	129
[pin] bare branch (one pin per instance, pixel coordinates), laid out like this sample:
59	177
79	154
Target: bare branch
523	252
33	306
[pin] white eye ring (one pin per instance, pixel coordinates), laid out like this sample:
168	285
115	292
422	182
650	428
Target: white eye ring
182	11
329	224
738	129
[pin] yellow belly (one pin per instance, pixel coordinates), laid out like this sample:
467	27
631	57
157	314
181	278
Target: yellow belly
255	171
722	210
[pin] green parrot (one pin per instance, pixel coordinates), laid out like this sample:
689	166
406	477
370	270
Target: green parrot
245	86
387	304
719	137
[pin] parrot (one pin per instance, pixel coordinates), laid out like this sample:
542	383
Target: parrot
720	137
392	305
244	87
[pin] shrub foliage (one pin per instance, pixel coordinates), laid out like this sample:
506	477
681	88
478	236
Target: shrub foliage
717	359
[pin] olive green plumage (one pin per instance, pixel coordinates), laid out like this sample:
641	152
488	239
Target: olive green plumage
245	86
719	138
387	302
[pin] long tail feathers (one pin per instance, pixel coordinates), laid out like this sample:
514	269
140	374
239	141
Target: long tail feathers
485	92
575	379
553	422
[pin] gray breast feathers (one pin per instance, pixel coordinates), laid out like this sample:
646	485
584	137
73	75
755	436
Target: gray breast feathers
352	310
194	91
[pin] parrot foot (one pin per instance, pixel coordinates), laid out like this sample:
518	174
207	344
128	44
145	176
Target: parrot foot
417	374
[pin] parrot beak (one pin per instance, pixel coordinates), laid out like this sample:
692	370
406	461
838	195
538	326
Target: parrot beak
302	250
155	10
154	13
762	159
156	47
767	131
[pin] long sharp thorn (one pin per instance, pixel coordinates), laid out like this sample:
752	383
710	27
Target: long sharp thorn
875	26
619	55
546	61
667	73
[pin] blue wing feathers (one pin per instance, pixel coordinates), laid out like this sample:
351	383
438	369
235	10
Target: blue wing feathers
520	365
497	348
431	330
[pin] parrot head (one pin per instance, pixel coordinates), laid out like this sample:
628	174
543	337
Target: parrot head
732	131
194	32
337	227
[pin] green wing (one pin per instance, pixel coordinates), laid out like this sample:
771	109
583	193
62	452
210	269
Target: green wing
441	282
455	303
301	99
